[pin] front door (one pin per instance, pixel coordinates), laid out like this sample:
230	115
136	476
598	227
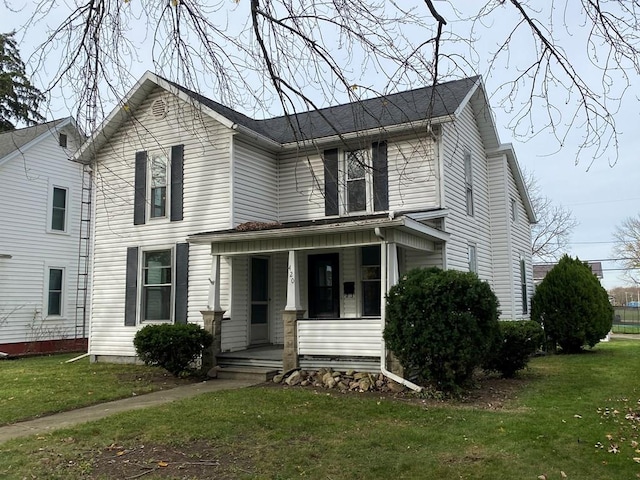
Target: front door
259	327
324	288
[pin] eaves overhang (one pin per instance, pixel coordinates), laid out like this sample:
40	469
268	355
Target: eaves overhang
283	231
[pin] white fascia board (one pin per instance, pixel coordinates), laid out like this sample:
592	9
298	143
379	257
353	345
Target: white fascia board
426	230
467	98
20	151
392	129
429	215
508	150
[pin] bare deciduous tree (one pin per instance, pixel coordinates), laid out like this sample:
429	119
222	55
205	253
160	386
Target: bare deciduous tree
550	236
627	247
286	55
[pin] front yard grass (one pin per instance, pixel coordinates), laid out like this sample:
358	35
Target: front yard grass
575	417
36	386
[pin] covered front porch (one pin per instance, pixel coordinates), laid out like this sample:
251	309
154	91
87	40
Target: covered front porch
310	295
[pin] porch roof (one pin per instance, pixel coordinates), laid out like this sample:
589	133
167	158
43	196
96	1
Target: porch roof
324	233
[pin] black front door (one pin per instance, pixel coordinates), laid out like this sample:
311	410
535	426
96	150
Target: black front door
324	288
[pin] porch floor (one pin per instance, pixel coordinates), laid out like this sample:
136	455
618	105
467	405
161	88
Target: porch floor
268	356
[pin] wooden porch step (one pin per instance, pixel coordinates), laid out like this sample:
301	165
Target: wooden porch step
244	373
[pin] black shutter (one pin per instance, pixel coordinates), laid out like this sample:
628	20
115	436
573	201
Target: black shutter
131	292
139	200
177	169
331	182
380	177
182	282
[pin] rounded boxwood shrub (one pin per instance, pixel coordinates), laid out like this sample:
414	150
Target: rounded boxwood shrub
572	306
518	341
171	346
441	324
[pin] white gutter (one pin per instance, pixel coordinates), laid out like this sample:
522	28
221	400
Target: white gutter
383	353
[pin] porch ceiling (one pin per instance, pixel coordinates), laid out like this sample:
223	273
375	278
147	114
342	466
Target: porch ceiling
402	230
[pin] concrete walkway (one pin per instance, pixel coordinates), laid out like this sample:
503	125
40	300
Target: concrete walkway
96	412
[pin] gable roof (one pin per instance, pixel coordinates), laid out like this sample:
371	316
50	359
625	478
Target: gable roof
19	140
445	99
383	111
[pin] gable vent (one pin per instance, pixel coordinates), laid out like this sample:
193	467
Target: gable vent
159	108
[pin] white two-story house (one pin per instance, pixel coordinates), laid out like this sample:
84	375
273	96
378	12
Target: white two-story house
42	303
287	232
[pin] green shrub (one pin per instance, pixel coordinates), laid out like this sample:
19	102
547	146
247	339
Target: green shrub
572	306
441	324
172	347
518	341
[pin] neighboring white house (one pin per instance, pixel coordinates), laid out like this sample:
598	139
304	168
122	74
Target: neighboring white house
40	194
292	229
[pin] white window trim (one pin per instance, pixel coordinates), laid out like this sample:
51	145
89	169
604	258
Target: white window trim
473	266
63	294
140	296
368	181
67	212
167	200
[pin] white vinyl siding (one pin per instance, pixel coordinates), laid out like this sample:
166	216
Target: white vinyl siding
342	337
458	138
413	182
254	184
206	207
27	179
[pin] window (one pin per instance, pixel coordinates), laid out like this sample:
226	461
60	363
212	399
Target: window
156	285
523	288
357	183
54	292
158	166
59	209
62	140
514	210
473	258
371	284
468	181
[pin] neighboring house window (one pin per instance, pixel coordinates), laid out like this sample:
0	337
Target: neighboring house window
156	285
468	182
62	140
54	292
356	181
514	210
523	288
358	185
158	175
59	209
371	281
473	258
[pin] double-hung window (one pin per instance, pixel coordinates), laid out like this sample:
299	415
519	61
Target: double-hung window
157	285
523	288
55	292
158	195
371	281
357	181
468	182
59	209
473	258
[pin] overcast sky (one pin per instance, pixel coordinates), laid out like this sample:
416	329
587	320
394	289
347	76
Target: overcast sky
600	195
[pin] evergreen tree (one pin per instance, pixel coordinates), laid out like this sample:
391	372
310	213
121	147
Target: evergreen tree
19	99
572	306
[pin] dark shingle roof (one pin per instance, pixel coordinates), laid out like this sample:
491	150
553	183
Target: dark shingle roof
16	139
383	111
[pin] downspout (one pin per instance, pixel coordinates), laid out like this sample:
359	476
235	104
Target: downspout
383	357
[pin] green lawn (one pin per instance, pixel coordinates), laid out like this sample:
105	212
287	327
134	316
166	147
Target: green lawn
32	387
575	414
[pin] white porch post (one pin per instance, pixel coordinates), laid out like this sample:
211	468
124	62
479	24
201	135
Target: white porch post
393	273
292	312
293	283
214	285
212	318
